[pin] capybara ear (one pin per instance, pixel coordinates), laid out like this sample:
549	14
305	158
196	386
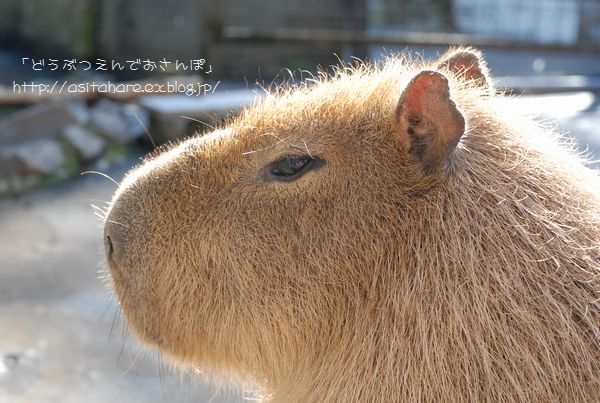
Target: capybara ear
467	64
428	121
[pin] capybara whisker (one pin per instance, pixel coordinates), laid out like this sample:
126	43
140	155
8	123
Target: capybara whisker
100	174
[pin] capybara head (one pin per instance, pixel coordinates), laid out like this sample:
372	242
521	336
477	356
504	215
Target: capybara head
384	233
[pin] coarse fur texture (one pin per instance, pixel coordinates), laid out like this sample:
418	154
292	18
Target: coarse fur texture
370	278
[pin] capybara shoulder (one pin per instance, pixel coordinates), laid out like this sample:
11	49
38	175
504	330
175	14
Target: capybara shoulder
384	233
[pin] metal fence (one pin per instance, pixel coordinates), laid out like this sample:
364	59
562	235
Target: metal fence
536	24
565	22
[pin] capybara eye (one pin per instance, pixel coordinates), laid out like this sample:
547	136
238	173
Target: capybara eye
290	168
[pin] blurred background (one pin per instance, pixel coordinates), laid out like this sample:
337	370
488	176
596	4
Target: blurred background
87	87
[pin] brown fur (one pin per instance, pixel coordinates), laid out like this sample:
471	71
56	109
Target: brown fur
369	279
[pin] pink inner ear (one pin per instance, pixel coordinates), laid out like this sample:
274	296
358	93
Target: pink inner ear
427	106
467	65
413	104
429	119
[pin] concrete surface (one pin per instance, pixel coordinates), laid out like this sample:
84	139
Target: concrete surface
56	314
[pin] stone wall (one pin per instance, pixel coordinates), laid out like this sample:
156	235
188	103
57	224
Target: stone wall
51	28
10	17
267	60
410	15
190	29
152	29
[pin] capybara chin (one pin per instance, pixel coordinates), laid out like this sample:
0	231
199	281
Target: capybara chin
383	234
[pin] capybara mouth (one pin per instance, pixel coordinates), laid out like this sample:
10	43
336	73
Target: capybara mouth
139	312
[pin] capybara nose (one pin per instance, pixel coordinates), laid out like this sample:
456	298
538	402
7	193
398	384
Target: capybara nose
108	248
114	242
109	243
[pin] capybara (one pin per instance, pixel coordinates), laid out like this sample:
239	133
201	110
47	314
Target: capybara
383	233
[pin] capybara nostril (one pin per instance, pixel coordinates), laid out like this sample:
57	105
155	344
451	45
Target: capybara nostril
114	242
108	248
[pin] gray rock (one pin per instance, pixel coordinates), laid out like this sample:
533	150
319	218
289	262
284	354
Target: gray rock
81	112
117	122
86	143
44	157
178	116
42	121
9	165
